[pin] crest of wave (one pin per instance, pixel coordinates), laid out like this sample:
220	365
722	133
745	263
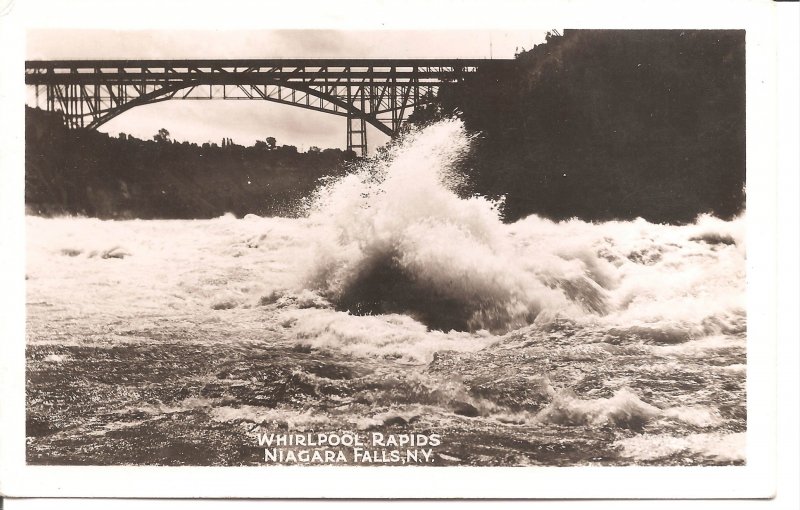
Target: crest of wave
395	238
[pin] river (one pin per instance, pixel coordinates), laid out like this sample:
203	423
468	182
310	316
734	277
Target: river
391	306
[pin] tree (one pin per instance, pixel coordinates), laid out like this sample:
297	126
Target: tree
314	149
161	136
271	143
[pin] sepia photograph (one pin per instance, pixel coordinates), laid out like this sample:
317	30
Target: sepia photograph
388	249
534	259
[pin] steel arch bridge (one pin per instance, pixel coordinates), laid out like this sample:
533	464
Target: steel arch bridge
381	92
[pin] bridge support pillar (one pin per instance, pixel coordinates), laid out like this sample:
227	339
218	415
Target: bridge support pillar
357	135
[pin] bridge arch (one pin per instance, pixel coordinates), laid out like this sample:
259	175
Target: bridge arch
168	92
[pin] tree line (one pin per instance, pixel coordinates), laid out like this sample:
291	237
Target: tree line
90	173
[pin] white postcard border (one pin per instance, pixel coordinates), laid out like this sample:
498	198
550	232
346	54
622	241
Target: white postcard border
755	479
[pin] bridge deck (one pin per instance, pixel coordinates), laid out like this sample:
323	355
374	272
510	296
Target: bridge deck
238	72
269	62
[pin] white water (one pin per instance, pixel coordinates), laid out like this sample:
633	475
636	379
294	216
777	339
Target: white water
440	257
390	266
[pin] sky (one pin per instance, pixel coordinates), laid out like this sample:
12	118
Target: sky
248	121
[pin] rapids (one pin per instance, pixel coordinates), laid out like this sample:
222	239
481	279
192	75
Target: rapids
392	304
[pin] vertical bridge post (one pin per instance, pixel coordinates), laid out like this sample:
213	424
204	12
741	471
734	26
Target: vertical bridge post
356	124
357	135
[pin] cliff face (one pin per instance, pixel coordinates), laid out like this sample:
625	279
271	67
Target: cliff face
92	174
604	124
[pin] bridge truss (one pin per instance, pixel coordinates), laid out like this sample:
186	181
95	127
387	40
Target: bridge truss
378	92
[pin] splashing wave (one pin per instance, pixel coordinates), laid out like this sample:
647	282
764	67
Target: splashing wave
395	237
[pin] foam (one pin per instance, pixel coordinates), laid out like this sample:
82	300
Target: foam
699	416
714	446
293	419
393	336
624	410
